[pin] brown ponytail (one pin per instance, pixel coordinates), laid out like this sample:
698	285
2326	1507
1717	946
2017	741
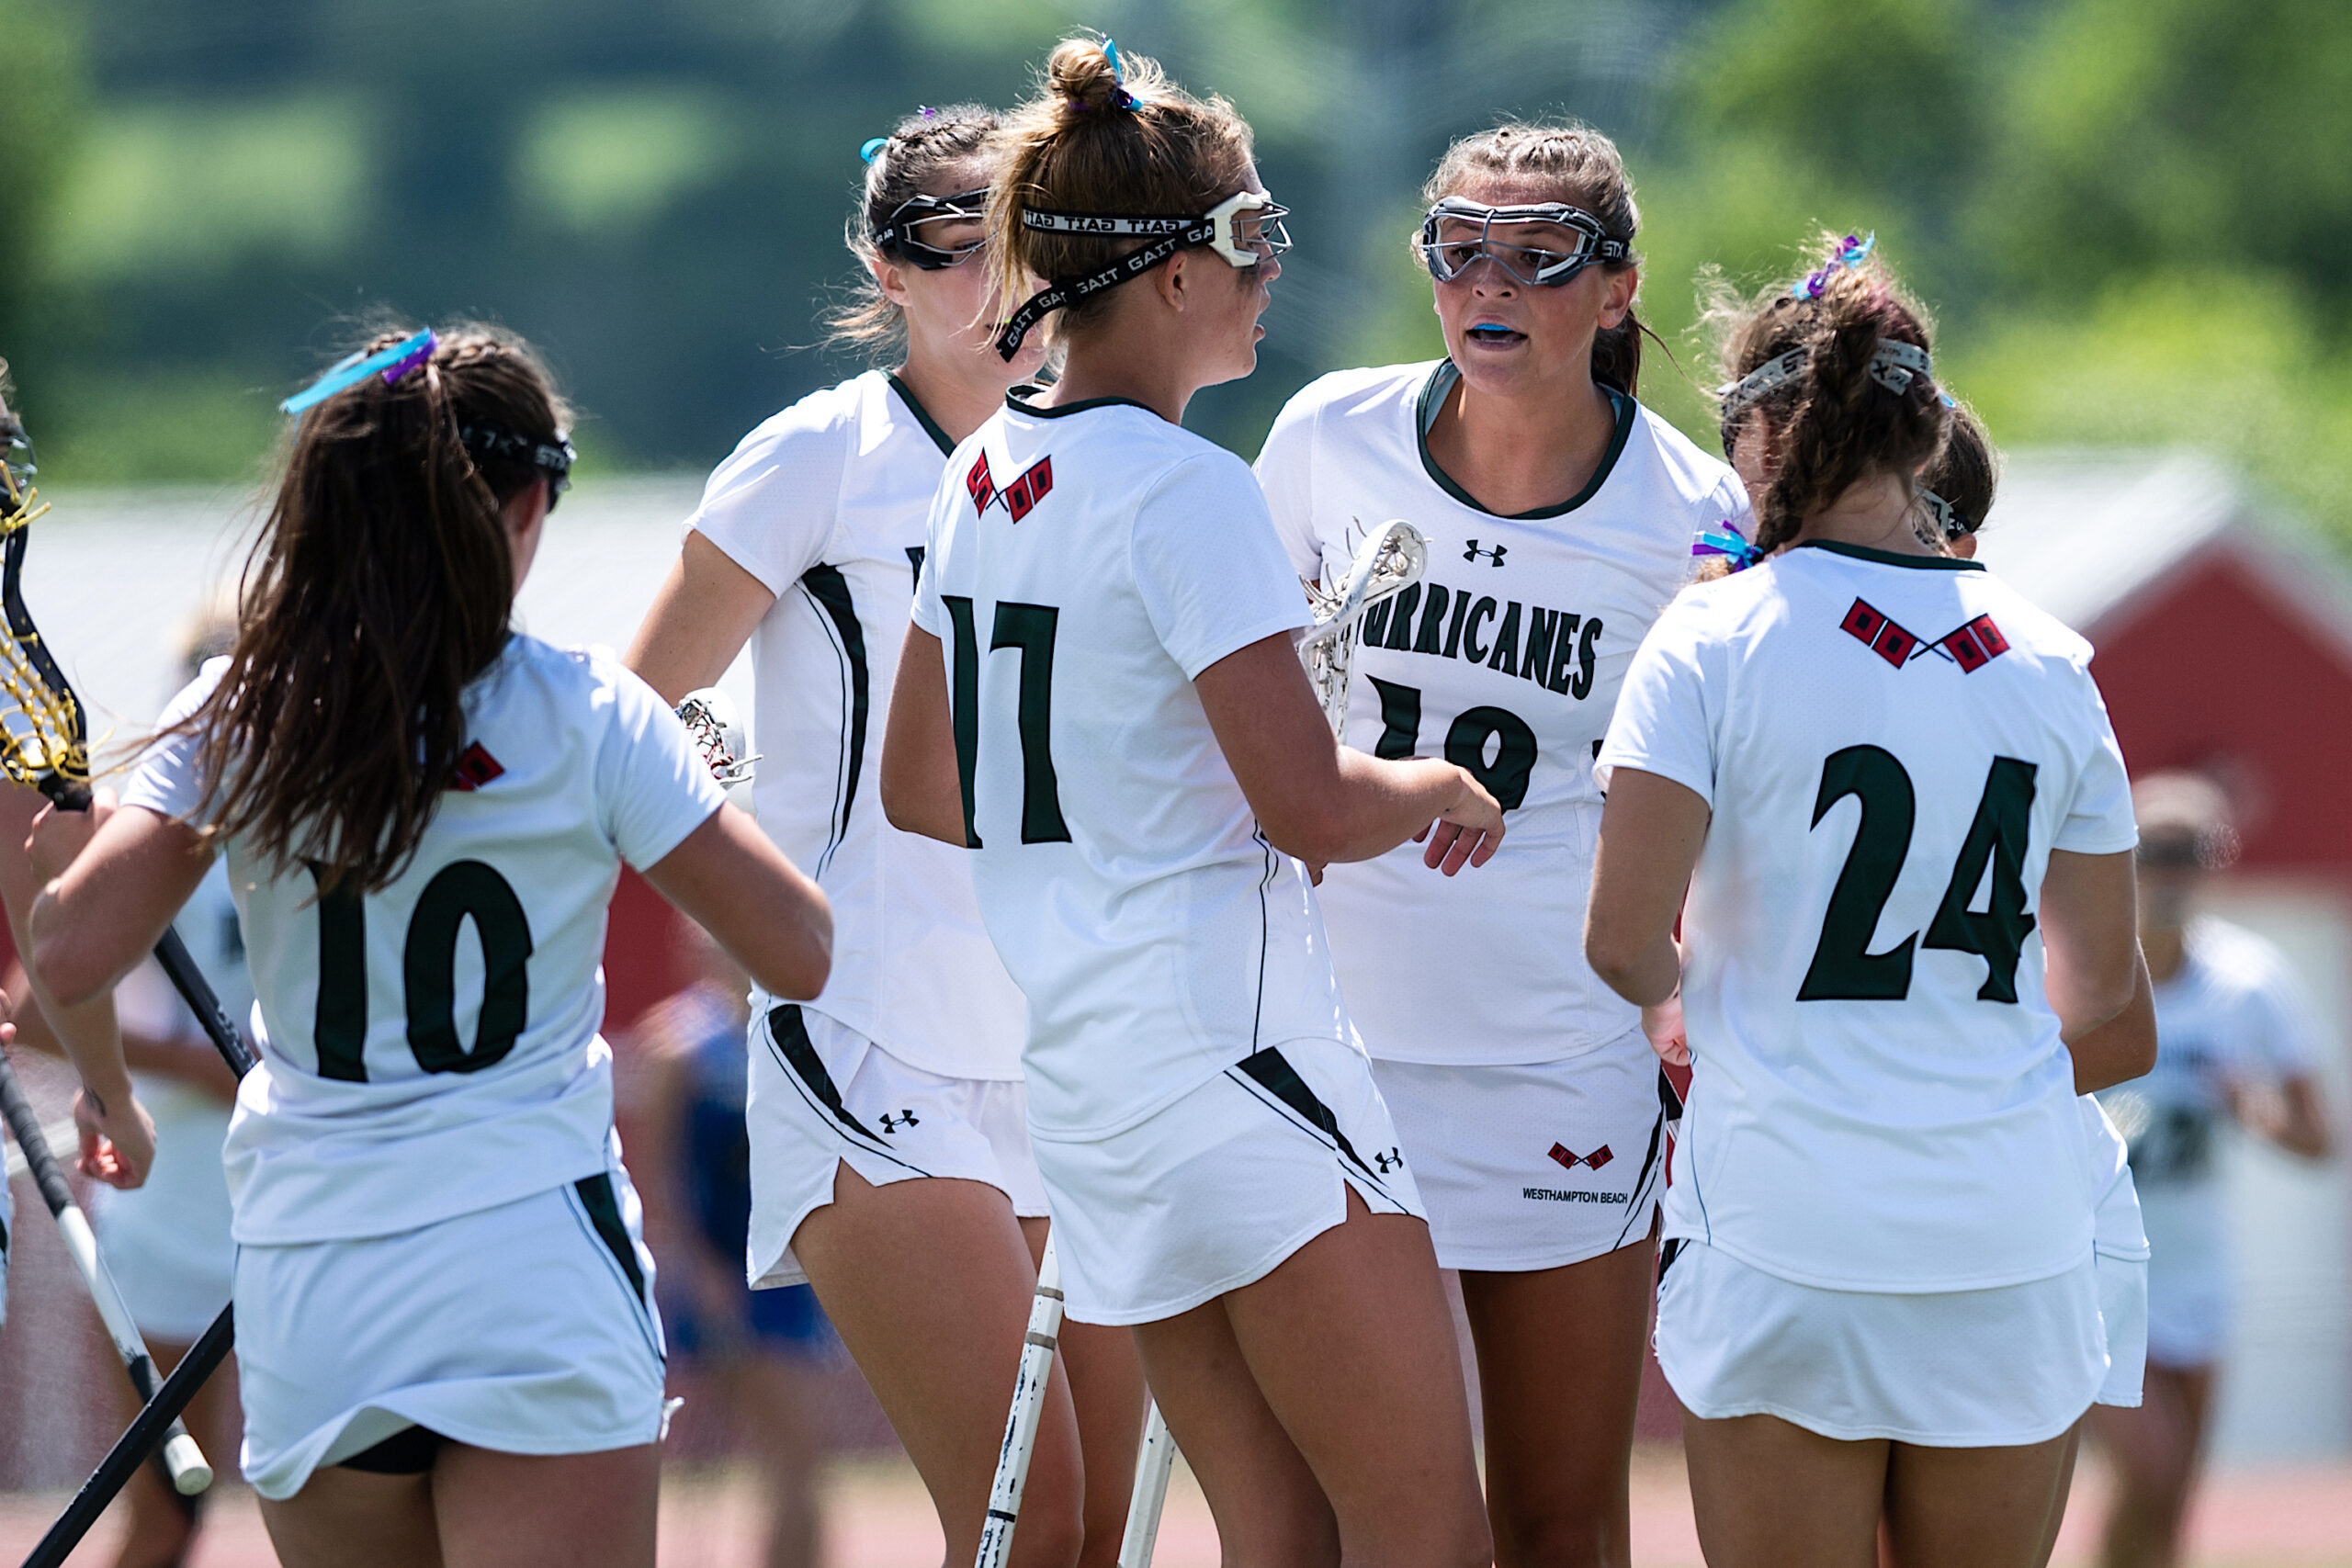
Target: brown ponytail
1092	142
1966	472
1833	424
1584	170
380	587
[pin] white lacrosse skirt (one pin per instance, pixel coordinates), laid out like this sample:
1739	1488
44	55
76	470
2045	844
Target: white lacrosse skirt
1215	1191
2120	1252
527	1328
822	1095
1536	1165
1999	1368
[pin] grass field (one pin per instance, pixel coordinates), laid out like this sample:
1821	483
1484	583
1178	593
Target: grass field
877	1517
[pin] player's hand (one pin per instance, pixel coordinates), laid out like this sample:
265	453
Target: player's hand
1465	833
59	836
1663	1025
117	1142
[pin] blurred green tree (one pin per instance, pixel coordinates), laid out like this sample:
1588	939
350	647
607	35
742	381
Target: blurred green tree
42	102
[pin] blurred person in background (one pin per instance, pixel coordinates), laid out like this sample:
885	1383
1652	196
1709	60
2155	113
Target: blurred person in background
2236	1042
682	1086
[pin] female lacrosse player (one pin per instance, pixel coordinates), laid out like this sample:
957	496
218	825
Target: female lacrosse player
1560	514
1890	774
2238	1044
443	1320
807	543
1111	598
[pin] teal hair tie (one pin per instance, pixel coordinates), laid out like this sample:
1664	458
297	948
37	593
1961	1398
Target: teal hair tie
873	149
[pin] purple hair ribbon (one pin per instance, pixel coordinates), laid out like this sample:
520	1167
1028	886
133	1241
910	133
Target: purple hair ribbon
395	362
1729	543
1852	254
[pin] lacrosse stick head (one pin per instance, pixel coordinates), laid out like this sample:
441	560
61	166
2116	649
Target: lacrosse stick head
44	737
717	731
1391	558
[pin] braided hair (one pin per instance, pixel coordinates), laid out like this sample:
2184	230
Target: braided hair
1833	424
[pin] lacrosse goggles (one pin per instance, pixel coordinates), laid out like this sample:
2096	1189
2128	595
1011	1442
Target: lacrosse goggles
1448	256
1245	229
902	235
553	457
1892	365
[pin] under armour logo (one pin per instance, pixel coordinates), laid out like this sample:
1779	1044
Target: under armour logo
1592	1161
1019	497
1494	556
903	1119
1392	1160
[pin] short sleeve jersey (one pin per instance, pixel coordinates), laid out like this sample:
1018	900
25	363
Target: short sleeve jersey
825	505
2233	1015
1892	746
1506	659
432	1047
1087	563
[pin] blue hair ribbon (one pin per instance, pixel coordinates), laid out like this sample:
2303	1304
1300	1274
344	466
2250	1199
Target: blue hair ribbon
1729	543
872	148
395	362
1111	52
1852	254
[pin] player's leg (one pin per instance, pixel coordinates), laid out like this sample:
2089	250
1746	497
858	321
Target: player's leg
2156	1452
1269	1508
163	1523
1108	1396
1975	1507
774	1394
1768	1493
1560	1375
1391	1451
502	1510
351	1518
928	1282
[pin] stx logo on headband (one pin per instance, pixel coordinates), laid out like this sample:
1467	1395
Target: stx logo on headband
1972	646
1019	497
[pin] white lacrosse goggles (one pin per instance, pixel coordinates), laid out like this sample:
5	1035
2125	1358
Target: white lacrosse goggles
1457	231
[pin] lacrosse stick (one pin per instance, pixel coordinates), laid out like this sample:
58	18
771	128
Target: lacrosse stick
183	1460
1028	1405
717	734
44	742
1390	560
1152	1468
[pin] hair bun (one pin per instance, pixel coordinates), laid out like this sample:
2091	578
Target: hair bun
1080	72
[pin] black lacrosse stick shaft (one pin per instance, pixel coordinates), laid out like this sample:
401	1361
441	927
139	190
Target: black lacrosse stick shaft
131	1450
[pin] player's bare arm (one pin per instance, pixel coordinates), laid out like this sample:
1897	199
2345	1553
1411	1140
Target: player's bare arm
700	620
730	879
1651	831
1319	801
920	789
2097	981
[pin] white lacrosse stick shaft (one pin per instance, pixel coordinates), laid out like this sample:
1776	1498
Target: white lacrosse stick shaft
1152	1468
1028	1403
1390	560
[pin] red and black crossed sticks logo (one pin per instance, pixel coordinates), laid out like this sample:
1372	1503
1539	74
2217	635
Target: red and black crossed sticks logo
1592	1161
1971	647
476	767
1019	497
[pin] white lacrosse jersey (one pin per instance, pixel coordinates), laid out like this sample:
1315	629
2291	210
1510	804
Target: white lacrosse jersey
432	1047
1087	563
825	505
1892	746
1505	659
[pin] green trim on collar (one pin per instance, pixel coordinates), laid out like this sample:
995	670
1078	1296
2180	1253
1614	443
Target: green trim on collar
1018	404
922	415
1432	398
1889	558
